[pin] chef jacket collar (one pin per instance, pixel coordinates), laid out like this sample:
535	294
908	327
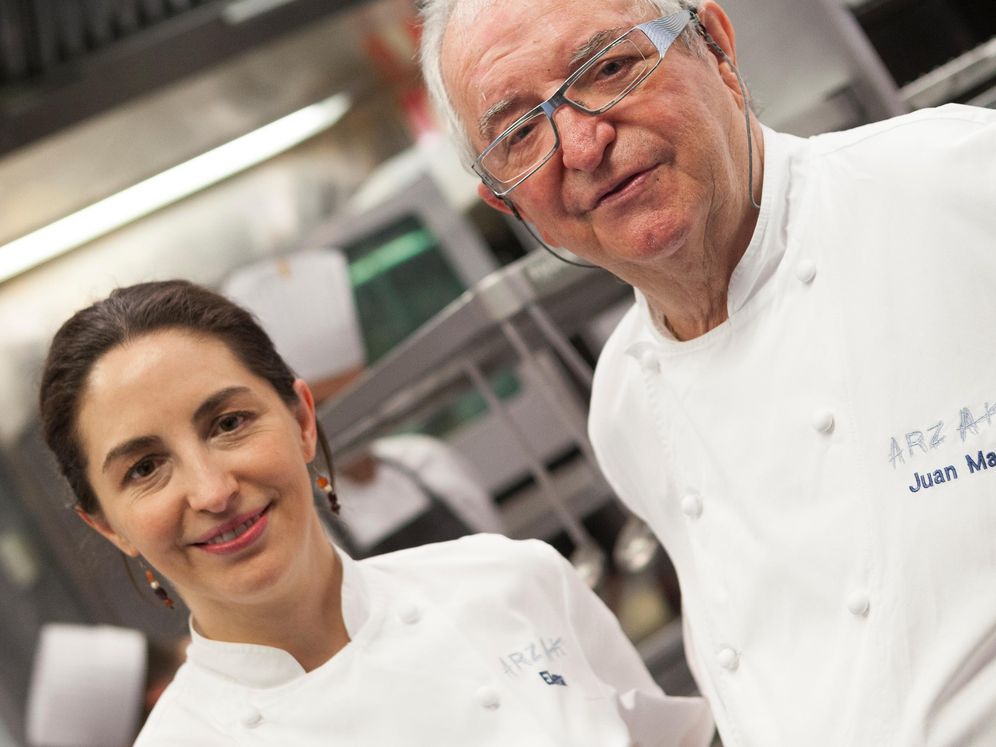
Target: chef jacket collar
261	666
767	244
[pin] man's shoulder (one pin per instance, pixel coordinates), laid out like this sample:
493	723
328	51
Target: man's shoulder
925	129
626	332
614	359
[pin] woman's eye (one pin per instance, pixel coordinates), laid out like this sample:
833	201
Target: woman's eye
142	469
231	422
228	423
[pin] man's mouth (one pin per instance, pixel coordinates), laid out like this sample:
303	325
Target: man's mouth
618	188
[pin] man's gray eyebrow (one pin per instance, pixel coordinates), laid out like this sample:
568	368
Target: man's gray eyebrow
596	42
484	124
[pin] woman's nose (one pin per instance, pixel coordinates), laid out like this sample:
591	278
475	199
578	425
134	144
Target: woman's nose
583	138
212	485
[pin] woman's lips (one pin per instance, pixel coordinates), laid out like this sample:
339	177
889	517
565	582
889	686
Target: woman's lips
238	536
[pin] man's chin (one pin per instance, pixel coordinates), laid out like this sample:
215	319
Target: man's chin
643	243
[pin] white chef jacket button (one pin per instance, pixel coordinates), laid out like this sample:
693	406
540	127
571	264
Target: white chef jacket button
250	718
487	697
409	613
858	603
691	506
728	658
805	270
649	361
822	421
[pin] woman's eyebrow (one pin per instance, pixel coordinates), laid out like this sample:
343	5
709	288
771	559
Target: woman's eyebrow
211	405
131	446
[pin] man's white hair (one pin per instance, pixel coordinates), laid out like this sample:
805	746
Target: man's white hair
436	16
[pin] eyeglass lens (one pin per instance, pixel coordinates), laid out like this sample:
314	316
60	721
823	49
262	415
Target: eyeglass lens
606	79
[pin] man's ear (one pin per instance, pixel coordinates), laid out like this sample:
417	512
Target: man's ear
304	413
99	524
717	24
715	21
496	202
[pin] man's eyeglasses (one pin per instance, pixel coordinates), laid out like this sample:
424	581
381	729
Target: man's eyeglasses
598	85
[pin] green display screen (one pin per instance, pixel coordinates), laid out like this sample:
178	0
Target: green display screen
400	281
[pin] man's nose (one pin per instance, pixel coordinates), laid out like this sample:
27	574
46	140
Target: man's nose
212	486
583	138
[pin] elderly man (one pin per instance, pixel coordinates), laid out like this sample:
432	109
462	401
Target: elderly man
800	402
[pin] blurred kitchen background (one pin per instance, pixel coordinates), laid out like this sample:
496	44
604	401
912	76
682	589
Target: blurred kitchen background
148	139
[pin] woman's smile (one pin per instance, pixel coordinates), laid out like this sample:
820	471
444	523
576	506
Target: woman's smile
237	534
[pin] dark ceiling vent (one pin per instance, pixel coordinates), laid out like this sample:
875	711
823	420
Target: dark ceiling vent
37	36
62	61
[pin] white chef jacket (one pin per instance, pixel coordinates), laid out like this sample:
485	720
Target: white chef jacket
481	641
829	597
375	509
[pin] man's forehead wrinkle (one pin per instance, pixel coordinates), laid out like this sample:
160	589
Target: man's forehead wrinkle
468	11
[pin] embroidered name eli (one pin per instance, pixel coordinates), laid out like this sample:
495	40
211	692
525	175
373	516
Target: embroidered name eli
541	651
552	679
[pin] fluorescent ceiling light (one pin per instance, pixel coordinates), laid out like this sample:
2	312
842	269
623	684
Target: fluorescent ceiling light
170	186
240	11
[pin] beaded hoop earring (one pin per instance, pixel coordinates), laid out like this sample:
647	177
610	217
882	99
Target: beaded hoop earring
326	486
156	587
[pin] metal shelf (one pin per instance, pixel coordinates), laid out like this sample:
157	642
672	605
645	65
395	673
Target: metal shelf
526	515
524	312
954	78
473	329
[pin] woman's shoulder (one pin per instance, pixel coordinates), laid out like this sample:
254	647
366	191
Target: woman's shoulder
478	577
178	718
476	549
476	558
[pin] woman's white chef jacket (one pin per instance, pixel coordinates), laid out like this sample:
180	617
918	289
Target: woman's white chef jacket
830	598
481	641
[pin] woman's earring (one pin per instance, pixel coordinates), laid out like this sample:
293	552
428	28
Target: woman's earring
326	486
156	587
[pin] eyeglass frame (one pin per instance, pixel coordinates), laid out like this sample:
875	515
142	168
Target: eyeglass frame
662	33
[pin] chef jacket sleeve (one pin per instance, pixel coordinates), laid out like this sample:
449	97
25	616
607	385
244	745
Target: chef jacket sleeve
653	718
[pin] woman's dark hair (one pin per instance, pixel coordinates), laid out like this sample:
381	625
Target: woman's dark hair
130	313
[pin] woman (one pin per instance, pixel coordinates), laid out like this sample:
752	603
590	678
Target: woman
187	442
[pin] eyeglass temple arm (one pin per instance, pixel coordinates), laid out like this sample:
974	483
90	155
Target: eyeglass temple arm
663	31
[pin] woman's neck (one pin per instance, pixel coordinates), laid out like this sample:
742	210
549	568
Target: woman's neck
305	620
